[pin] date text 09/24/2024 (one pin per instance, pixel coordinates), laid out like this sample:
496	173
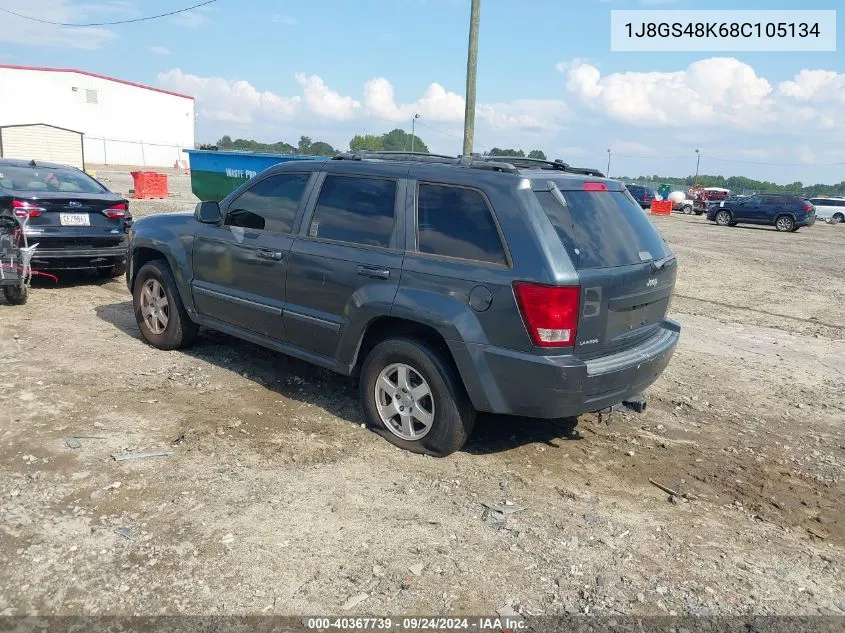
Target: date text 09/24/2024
416	624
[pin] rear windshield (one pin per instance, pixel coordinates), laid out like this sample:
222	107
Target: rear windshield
33	179
602	229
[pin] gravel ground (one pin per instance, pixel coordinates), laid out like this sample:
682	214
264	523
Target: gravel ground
275	500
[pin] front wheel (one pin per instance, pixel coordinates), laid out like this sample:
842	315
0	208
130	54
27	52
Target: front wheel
16	295
159	311
724	218
785	224
837	218
414	399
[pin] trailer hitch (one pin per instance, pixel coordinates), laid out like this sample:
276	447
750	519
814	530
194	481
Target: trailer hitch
637	404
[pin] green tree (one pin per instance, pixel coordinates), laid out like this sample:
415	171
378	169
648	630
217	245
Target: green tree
367	141
304	145
538	154
225	142
496	151
398	140
321	149
394	141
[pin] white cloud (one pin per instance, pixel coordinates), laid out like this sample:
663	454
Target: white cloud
436	104
285	19
21	31
631	148
815	86
192	19
525	114
237	102
160	50
325	102
715	91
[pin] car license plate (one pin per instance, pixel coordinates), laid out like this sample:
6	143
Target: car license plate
74	219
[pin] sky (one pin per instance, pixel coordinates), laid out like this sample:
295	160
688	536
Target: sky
329	69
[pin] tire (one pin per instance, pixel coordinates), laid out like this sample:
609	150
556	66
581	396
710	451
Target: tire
16	295
838	218
452	416
113	271
784	224
686	210
724	217
165	324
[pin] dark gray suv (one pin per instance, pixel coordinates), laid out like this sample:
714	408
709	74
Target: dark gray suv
447	285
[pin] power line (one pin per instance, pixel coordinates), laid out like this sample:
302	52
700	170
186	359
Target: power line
149	17
434	129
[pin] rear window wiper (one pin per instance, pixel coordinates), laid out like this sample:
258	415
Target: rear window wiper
666	262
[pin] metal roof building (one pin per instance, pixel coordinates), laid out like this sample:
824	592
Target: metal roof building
44	110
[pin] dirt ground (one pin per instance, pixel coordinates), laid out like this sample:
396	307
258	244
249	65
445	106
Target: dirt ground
276	501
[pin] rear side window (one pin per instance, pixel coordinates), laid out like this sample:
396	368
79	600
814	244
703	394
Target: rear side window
457	222
269	205
357	210
602	229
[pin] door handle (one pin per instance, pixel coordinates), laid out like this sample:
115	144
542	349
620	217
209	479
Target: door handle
270	254
377	273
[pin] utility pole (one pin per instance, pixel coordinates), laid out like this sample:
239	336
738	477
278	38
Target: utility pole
697	163
472	73
608	163
414	130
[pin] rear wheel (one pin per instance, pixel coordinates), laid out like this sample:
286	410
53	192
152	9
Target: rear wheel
724	218
16	295
159	311
414	399
838	217
784	224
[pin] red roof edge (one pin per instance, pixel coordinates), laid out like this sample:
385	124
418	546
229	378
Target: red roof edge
90	74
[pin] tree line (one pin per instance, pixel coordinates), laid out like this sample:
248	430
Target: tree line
398	140
740	184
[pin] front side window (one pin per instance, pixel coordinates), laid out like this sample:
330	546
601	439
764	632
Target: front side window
269	205
356	210
456	222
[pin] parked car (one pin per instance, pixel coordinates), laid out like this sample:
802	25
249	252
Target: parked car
784	212
716	194
76	221
643	195
829	209
446	285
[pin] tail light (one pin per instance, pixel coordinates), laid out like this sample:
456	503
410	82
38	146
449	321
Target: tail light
24	209
549	312
116	212
809	207
595	186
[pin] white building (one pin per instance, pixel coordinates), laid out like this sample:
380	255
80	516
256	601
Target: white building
121	123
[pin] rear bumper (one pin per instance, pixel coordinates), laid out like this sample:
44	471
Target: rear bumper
515	383
78	258
808	221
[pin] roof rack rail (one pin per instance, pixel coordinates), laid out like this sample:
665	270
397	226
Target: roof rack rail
515	160
396	155
547	164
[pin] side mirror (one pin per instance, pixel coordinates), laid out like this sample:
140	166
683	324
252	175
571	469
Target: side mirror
208	212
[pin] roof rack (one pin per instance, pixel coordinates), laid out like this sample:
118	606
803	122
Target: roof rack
548	164
396	155
505	164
